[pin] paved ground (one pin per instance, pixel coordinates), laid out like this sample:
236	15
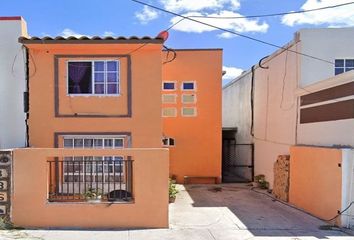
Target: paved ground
207	212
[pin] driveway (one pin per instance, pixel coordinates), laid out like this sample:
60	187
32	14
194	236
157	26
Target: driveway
212	212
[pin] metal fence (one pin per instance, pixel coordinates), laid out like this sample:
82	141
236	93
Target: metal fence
90	179
238	161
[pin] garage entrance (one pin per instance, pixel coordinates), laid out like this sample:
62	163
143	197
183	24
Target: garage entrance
237	159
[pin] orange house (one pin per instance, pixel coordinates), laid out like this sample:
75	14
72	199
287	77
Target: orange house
108	120
127	93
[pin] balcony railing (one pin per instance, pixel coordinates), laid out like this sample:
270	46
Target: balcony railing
98	179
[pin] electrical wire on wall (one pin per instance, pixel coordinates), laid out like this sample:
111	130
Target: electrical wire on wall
174	53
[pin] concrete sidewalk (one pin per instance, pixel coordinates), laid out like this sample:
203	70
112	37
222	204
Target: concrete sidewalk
211	212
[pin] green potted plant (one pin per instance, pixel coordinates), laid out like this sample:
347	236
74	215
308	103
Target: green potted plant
261	182
172	190
93	195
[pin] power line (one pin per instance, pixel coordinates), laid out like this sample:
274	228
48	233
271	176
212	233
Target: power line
276	14
233	32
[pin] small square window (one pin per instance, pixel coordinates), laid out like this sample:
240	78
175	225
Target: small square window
169	112
169	98
339	63
68	143
78	143
189	111
349	63
343	65
169	86
188	98
188	86
118	142
88	143
98	143
93	77
108	143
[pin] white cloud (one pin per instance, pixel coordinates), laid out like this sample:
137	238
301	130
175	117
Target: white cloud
231	73
198	5
334	17
146	15
108	34
238	25
67	32
226	35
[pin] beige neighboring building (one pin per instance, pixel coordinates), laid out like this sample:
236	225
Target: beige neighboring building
291	99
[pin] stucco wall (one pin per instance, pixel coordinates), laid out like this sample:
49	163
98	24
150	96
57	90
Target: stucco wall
197	149
30	207
144	124
316	180
236	107
12	83
325	43
328	133
275	108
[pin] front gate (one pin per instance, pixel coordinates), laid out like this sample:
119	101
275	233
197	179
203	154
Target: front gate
237	161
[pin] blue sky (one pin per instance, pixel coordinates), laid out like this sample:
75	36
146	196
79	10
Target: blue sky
126	18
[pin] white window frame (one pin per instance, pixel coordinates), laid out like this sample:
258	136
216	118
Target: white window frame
344	67
93	78
189	94
162	112
169	94
103	138
189	90
194	115
170	90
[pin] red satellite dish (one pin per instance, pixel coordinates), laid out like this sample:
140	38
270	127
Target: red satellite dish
164	35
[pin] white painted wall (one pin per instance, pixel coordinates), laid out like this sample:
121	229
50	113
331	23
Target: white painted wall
329	133
238	94
276	97
12	84
325	43
275	109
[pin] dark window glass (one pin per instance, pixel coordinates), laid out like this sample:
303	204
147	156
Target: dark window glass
349	63
99	66
338	71
339	63
188	86
168	85
172	142
112	66
68	143
349	69
80	77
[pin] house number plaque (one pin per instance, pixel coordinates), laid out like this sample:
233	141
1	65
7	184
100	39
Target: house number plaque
5	182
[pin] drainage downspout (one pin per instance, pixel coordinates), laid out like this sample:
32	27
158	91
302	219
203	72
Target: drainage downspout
252	100
26	95
260	64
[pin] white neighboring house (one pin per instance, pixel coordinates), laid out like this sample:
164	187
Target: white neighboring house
12	83
296	99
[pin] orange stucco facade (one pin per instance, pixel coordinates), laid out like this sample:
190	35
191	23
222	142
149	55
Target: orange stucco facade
136	111
316	180
30	207
197	150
